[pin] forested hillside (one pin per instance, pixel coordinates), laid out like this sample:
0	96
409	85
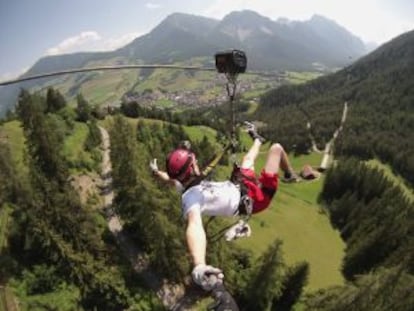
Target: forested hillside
57	253
375	219
373	215
379	90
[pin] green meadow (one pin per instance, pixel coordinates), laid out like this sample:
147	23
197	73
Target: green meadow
73	149
13	133
301	77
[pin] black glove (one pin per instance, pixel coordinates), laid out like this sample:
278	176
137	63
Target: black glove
223	301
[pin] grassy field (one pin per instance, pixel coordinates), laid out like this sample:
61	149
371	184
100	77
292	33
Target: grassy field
296	218
100	87
72	149
13	133
73	146
194	132
302	77
174	80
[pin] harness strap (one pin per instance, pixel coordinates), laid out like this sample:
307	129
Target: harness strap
208	169
194	181
245	207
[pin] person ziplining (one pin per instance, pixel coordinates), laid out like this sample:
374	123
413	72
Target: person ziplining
243	195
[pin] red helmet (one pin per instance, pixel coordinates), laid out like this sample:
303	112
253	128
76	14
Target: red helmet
179	164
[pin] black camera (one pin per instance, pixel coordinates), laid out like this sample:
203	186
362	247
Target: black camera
231	62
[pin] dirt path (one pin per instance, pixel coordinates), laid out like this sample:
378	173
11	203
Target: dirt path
314	146
7	300
173	296
328	151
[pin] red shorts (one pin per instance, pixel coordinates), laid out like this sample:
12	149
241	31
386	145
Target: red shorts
263	192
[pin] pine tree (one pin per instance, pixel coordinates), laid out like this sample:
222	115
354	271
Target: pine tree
7	176
265	284
94	138
83	109
54	101
386	289
294	281
151	214
43	139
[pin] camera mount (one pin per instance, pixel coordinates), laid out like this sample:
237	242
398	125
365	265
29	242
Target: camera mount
231	63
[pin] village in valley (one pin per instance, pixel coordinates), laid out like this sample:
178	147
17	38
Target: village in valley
212	93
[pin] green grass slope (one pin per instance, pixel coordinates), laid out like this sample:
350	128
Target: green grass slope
295	217
73	148
12	133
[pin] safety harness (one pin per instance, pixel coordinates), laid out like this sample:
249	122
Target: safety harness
246	202
195	180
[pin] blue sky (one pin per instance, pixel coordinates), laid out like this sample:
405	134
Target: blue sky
31	29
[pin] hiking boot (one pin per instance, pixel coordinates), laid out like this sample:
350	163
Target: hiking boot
251	130
291	177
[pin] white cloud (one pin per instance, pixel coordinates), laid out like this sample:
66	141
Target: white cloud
110	44
8	76
152	6
12	75
73	43
91	41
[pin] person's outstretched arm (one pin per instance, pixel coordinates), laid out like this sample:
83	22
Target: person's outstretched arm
197	244
161	175
196	237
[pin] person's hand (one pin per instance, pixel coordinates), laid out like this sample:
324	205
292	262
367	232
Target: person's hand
207	276
153	165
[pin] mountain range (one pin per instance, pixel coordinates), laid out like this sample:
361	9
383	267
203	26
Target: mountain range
269	44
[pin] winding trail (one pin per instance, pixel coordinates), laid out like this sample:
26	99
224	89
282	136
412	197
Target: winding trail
328	152
173	296
327	158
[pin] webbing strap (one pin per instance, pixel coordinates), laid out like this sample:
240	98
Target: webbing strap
207	170
212	164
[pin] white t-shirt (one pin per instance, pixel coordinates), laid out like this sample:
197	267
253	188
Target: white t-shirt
212	198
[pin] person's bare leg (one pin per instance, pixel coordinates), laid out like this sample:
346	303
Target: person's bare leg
277	158
251	155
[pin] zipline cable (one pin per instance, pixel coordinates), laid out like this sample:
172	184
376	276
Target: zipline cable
102	68
124	67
